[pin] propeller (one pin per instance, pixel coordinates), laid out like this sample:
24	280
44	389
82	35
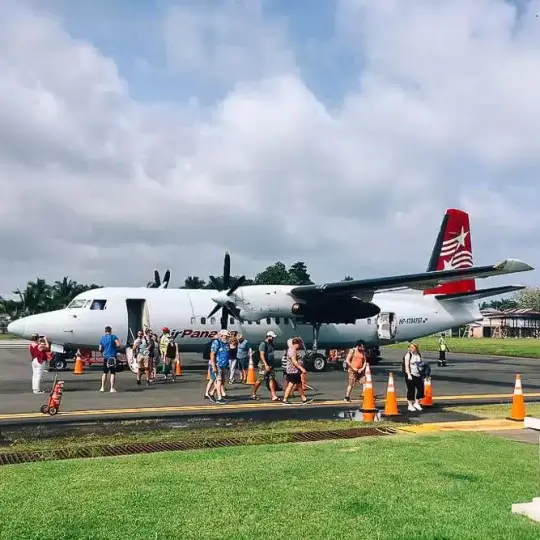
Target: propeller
156	284
223	299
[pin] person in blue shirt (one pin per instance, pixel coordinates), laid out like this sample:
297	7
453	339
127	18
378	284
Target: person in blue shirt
242	356
108	346
218	364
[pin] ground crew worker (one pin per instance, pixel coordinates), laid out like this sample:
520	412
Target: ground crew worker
356	363
38	356
443	347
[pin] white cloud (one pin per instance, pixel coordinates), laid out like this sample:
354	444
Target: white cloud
102	187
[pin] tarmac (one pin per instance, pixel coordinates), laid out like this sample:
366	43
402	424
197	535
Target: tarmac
466	379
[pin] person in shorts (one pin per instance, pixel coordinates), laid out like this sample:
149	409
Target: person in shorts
219	364
356	363
108	346
242	356
293	372
266	364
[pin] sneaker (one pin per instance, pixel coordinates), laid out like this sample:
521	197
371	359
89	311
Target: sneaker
221	401
286	402
210	398
102	389
347	399
418	407
254	398
411	408
112	390
138	382
38	391
306	401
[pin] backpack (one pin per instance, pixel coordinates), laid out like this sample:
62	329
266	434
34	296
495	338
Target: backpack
171	349
424	367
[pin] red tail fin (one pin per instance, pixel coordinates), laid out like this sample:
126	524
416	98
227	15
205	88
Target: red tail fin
453	250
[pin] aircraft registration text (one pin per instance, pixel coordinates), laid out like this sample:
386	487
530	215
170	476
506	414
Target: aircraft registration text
413	320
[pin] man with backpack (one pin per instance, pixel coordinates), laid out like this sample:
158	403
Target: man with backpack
266	363
218	364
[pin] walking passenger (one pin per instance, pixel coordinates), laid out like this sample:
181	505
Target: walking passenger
266	367
413	366
219	362
293	371
141	349
356	363
38	356
233	356
242	357
108	346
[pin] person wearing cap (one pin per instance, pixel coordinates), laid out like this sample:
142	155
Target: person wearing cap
218	364
356	363
266	367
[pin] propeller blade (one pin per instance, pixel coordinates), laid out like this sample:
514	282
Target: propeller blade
226	270
150	285
224	319
214	311
157	279
239	282
166	279
234	311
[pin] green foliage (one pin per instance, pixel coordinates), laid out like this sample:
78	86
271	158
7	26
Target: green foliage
528	298
501	305
277	274
39	296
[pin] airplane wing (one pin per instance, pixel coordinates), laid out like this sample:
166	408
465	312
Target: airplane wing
365	288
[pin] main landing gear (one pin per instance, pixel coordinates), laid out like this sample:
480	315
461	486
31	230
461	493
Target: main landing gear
314	360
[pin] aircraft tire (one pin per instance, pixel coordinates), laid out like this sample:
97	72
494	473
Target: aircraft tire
315	362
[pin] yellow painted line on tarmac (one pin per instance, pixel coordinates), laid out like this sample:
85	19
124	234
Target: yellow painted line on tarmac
238	406
466	425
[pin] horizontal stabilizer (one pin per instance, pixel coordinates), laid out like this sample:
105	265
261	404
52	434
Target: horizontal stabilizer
482	293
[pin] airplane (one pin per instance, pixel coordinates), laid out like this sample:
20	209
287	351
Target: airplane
380	311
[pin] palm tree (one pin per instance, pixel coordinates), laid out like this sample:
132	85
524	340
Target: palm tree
36	297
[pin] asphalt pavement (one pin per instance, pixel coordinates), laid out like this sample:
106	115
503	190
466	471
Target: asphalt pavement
467	378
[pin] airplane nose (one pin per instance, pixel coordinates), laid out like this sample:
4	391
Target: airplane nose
17	328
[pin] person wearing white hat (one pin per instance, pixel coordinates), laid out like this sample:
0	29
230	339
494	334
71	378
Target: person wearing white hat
266	367
219	362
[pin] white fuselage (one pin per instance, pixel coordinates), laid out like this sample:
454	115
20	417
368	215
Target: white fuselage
405	315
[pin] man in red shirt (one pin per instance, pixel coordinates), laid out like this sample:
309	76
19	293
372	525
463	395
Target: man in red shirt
38	349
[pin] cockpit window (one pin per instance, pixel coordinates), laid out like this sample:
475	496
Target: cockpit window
98	304
78	303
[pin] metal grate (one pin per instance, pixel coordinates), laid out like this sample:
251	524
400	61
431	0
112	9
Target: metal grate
13	458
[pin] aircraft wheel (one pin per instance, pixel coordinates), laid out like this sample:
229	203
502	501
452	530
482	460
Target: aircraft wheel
44	409
316	362
53	411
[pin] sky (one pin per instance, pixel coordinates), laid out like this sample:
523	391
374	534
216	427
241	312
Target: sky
159	134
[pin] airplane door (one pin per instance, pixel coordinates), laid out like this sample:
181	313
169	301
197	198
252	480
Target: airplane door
138	318
386	326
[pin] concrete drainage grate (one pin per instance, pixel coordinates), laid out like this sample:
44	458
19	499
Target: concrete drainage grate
14	458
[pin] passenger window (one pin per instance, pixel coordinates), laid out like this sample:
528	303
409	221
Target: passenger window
250	322
258	322
203	320
268	320
277	320
213	320
369	321
231	320
193	320
98	304
285	320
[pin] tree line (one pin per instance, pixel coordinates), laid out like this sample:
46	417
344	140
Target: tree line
39	296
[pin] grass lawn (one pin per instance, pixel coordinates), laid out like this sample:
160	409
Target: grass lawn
7	336
494	411
450	486
528	348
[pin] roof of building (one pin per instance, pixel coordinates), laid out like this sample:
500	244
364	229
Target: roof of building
509	313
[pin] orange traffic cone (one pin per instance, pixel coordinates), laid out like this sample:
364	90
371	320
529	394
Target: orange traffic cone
518	402
368	403
79	364
427	400
251	378
178	369
390	407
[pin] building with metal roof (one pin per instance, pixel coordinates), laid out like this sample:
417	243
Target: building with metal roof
507	323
